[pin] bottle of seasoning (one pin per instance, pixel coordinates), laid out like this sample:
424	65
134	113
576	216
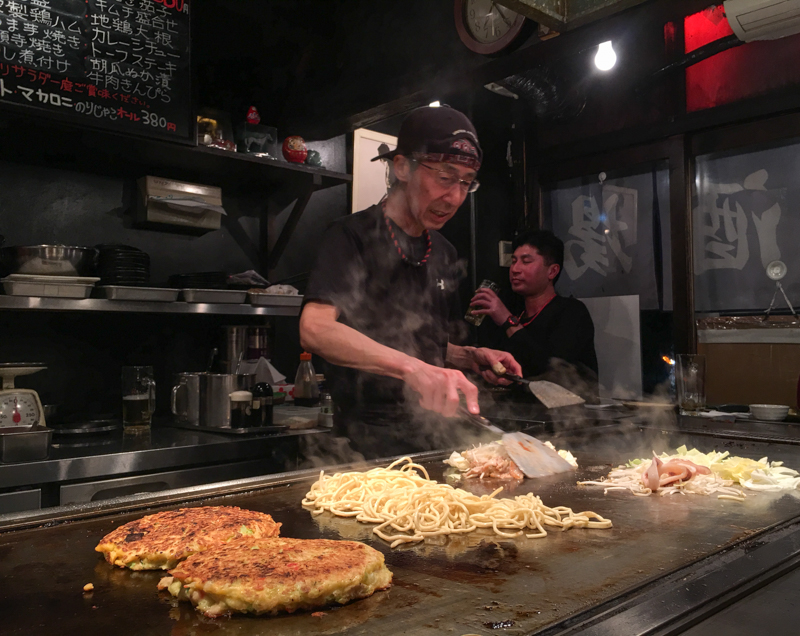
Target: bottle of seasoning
325	419
306	389
262	404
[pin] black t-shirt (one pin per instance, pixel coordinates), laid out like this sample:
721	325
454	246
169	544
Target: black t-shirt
563	330
405	307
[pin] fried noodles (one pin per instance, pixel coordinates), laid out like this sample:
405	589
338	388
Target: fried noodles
409	507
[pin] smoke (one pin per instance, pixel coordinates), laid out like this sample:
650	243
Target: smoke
321	451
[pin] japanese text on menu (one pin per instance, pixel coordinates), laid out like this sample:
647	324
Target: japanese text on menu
122	63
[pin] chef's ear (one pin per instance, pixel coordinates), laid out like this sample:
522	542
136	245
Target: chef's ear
403	167
553	271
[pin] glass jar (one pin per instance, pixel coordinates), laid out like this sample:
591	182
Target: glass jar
241	409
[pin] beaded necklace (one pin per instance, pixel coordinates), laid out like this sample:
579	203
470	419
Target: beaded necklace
525	324
400	251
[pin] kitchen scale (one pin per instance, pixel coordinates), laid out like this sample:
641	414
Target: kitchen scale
19	407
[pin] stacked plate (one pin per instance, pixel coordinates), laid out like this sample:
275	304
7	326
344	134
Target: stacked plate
123	265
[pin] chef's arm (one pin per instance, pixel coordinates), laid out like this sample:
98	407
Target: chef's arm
477	359
322	334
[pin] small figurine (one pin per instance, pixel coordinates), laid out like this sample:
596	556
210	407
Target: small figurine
294	149
252	116
314	158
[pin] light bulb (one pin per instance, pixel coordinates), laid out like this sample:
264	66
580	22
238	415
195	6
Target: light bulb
605	58
437	104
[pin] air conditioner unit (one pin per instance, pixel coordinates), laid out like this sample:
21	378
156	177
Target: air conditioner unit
763	19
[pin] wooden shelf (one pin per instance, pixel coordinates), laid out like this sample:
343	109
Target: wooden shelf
57	144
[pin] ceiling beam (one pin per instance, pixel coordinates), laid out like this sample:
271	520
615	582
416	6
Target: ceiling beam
563	15
550	13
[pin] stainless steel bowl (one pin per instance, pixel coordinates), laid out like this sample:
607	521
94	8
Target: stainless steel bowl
49	260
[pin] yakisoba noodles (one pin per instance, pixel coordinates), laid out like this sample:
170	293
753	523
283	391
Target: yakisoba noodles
409	507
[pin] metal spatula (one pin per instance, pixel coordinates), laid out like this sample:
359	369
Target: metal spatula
531	455
553	395
550	394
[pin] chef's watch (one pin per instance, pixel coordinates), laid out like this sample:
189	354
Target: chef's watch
511	321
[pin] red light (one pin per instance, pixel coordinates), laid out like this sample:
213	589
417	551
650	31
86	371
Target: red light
738	73
705	27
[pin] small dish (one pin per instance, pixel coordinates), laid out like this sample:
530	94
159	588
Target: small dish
769	412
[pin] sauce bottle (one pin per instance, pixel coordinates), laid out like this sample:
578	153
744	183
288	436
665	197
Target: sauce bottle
262	403
306	388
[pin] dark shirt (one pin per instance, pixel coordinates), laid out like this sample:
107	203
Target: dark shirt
405	307
563	330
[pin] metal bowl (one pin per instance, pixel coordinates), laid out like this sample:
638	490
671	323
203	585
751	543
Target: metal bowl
49	260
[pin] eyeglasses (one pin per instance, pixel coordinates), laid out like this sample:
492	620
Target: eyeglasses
448	180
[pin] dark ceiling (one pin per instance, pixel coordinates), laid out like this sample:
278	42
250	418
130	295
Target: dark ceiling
321	68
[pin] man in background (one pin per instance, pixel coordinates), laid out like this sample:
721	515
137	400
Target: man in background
551	328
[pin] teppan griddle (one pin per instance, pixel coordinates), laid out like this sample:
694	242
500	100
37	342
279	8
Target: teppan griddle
667	563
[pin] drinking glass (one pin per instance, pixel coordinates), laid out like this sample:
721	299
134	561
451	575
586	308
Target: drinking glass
138	398
690	377
477	319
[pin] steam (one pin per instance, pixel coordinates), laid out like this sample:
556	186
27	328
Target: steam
321	451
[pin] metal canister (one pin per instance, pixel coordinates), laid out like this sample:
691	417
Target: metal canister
215	391
186	397
257	343
233	346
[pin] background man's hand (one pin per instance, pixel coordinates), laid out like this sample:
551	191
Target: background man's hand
484	358
486	302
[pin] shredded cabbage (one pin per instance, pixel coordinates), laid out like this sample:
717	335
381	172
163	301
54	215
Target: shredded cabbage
727	471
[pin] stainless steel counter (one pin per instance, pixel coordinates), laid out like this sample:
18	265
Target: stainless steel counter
108	463
119	454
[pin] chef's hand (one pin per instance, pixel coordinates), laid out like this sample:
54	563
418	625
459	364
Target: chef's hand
487	359
439	388
487	303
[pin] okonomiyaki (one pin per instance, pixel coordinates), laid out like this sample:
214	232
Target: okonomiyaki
162	540
261	576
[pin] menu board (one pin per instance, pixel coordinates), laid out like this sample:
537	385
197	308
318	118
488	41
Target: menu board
121	64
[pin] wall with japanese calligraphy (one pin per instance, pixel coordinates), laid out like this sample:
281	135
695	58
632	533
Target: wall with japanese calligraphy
616	236
746	214
121	64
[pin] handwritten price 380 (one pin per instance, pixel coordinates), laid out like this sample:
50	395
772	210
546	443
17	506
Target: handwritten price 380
151	119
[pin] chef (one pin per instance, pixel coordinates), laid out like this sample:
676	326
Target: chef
553	337
381	306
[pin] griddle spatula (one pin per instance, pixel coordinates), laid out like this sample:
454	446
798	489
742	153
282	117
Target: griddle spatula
550	394
553	395
531	455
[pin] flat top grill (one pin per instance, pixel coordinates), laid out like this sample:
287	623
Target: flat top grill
466	584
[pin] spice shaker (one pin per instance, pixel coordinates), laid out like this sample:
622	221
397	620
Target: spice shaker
262	404
325	419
